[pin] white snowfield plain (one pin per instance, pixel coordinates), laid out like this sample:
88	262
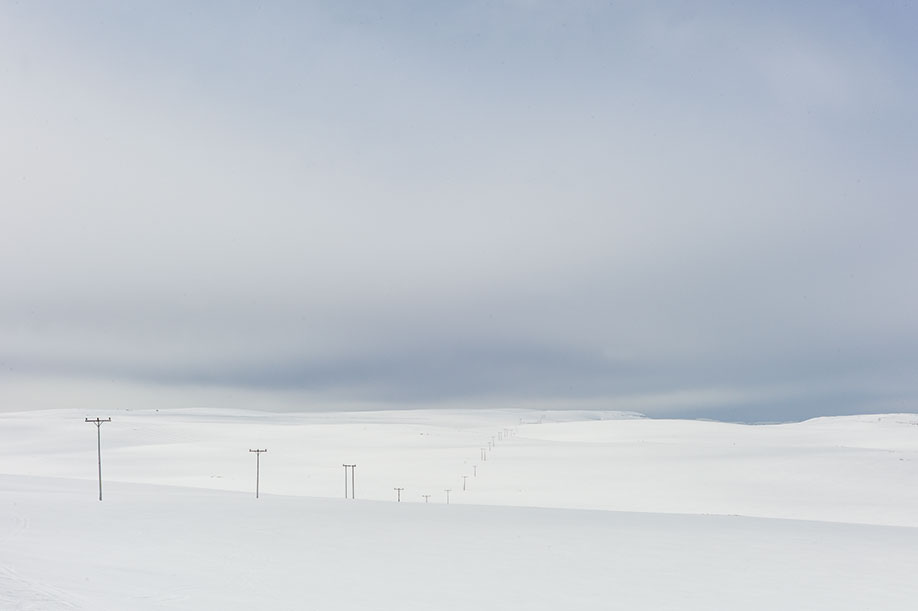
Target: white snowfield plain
571	510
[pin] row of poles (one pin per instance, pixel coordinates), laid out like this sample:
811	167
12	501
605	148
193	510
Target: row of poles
258	452
501	435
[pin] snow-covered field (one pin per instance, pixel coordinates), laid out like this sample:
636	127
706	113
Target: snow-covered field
571	510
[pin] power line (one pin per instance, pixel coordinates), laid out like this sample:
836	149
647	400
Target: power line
257	468
98	422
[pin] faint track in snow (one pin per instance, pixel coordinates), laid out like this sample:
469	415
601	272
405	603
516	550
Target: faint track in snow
20	594
16	524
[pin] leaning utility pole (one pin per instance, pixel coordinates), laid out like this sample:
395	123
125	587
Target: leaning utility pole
257	468
98	422
399	491
352	468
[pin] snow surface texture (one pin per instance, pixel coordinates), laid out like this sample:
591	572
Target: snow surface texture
608	523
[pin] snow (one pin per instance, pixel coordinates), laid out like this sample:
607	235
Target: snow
575	510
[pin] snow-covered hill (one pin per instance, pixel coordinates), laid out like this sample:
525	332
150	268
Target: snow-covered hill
607	523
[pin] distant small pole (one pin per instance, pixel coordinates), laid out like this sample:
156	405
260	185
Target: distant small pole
426	498
484	454
257	468
474	470
352	468
98	422
399	493
447	491
464	478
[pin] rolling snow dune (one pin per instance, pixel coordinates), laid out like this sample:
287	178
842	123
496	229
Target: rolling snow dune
606	526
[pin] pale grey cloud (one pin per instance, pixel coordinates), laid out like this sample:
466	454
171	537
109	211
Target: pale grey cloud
703	208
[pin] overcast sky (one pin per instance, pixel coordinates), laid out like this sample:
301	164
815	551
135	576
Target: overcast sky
698	209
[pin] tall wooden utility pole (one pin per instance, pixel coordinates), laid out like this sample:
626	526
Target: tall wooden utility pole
98	422
257	468
352	468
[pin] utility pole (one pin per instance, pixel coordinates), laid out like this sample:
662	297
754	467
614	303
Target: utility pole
352	468
447	491
474	470
98	422
257	468
464	477
399	492
426	498
484	454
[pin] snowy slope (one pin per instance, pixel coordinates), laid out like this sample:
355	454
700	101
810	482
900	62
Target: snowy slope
180	528
152	547
850	469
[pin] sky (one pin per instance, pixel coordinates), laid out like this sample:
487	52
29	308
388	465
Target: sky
679	208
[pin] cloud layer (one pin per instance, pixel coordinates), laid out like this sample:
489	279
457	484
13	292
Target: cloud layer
703	211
